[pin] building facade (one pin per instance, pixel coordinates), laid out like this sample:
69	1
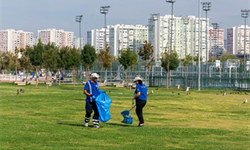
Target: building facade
10	38
60	38
236	40
95	38
216	42
123	36
77	42
159	35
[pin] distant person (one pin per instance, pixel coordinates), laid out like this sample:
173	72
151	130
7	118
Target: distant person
91	91
141	94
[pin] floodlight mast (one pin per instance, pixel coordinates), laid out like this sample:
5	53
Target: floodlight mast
215	26
206	8
79	19
104	10
199	57
245	14
185	21
171	26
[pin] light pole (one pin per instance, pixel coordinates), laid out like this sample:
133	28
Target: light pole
171	26
185	21
215	26
79	19
199	59
206	8
245	14
104	10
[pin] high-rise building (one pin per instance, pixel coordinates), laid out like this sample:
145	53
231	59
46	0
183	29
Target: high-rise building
122	36
159	35
216	42
10	38
236	40
77	42
95	38
60	38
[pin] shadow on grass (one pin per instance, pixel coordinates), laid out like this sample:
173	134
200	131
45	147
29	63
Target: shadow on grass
117	124
69	124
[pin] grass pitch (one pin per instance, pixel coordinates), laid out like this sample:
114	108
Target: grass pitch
54	119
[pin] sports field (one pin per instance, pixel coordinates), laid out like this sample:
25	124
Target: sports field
54	119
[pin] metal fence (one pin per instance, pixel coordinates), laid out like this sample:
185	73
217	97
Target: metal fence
211	77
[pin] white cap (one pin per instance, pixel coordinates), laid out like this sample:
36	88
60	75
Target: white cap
137	78
94	75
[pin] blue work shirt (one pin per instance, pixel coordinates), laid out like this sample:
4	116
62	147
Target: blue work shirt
143	90
93	90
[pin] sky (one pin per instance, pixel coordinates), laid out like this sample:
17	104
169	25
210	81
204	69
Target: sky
33	15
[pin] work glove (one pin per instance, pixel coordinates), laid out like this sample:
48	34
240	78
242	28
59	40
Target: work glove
133	100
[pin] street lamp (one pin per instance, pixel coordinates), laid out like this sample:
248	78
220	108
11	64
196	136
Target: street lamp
215	26
206	8
104	10
245	14
171	32
185	21
79	19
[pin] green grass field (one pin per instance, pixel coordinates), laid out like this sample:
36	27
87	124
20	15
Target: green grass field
54	119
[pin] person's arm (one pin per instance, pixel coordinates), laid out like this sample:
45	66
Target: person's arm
147	94
86	93
137	95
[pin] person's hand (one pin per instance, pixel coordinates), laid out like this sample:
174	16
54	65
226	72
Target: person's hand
133	100
91	95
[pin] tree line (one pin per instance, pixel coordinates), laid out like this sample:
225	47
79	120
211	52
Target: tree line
56	59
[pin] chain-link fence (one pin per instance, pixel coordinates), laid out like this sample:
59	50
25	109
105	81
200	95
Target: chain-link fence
211	77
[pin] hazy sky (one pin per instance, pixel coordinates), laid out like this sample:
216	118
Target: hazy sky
33	15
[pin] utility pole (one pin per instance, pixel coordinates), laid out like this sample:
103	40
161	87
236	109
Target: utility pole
104	10
245	14
79	19
206	8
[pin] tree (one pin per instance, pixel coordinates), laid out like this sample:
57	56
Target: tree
5	60
88	58
196	58
225	56
124	61
50	60
169	62
105	58
73	60
186	63
146	54
133	60
25	61
15	60
61	60
35	55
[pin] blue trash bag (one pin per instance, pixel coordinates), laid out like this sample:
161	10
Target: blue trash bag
103	103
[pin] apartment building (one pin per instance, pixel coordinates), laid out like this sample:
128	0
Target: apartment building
236	40
95	38
123	36
216	42
159	35
10	38
78	41
61	38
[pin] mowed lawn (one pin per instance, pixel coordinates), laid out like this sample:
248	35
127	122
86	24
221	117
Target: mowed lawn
54	119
